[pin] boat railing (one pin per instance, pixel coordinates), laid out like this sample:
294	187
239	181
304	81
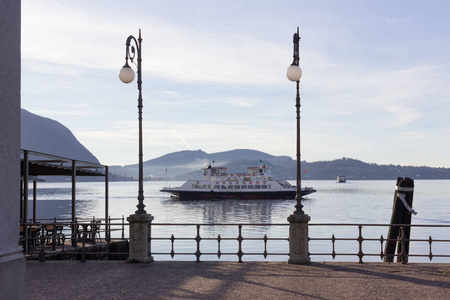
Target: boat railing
284	184
250	241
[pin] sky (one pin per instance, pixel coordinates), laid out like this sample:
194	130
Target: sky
375	84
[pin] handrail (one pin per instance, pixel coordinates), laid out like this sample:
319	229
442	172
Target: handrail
244	244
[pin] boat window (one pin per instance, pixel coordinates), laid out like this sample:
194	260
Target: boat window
264	186
204	186
257	186
230	187
243	186
209	186
223	187
217	187
237	186
269	186
250	186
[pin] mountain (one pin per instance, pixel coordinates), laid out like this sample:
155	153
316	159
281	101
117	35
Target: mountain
51	137
359	170
180	164
185	165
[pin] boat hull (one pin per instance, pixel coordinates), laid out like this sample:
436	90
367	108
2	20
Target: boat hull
239	195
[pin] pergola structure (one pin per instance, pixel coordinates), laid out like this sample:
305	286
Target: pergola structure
35	164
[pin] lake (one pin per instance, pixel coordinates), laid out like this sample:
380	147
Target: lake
361	202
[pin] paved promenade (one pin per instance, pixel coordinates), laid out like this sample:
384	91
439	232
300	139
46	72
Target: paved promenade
229	280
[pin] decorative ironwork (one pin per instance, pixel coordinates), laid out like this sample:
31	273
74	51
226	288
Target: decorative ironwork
84	250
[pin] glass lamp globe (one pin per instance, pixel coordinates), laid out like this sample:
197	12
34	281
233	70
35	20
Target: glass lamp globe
294	73
126	74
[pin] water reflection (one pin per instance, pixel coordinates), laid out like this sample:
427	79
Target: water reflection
49	209
225	211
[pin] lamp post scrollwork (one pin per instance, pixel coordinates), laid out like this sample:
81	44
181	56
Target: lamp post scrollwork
126	75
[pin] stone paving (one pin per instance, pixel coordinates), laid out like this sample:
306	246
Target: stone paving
230	280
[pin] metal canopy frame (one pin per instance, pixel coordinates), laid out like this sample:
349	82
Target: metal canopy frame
34	164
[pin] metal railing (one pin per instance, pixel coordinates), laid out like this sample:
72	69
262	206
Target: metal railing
253	241
359	241
402	241
64	239
239	240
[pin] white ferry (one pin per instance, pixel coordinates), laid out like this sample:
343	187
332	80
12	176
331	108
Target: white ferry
341	179
218	184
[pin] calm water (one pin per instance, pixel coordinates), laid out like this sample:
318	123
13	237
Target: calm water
366	202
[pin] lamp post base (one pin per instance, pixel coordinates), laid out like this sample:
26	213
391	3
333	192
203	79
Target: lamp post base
298	239
140	233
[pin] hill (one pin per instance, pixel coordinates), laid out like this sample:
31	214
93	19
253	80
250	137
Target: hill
358	170
185	165
51	137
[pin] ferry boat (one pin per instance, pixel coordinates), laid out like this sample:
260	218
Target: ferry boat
341	179
218	184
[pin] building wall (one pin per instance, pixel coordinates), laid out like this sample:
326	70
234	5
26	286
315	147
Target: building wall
12	262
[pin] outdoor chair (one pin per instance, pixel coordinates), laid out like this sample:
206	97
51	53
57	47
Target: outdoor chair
95	230
84	233
53	231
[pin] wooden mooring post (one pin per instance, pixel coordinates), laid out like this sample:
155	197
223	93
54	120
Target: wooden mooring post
401	214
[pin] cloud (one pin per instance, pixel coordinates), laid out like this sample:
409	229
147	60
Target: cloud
240	102
215	79
403	115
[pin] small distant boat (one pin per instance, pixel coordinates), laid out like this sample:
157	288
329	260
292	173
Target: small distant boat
218	184
341	179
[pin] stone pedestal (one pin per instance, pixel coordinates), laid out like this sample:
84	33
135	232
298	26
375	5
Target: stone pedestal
140	238
298	239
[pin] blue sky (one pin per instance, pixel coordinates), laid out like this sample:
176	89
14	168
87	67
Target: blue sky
375	83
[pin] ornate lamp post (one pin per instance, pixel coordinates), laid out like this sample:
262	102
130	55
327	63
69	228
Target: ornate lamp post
298	221
126	75
140	247
294	73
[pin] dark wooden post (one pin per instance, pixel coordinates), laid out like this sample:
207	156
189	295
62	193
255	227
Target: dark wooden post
401	214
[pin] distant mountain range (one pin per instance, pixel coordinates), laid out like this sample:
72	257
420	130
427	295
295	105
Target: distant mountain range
189	164
185	165
48	136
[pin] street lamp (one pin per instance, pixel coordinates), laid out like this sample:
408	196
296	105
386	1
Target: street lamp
126	75
294	73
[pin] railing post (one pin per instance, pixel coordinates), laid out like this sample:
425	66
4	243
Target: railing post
298	239
360	241
240	238
172	242
83	249
219	253
430	255
198	239
123	227
42	251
